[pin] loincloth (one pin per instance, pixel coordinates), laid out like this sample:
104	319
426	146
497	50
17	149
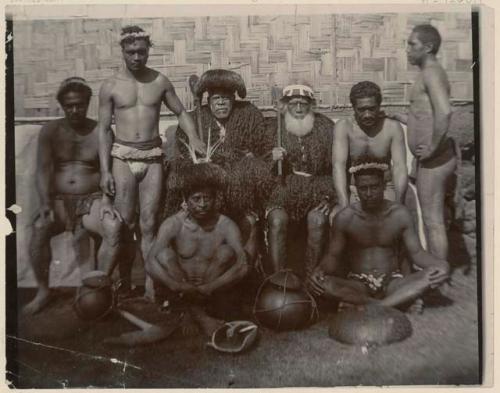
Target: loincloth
75	207
299	194
376	285
138	155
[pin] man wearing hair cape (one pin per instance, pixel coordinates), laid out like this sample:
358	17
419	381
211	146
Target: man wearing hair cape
304	191
131	160
235	135
67	181
362	265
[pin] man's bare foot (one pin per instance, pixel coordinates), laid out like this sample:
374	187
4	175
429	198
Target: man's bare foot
41	300
417	307
207	324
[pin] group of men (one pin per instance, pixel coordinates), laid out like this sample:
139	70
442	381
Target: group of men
344	182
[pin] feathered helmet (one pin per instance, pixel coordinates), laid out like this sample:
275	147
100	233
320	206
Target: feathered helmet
369	165
219	79
197	176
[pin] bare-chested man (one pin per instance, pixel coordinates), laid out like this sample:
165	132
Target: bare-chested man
369	133
428	121
67	181
367	234
134	174
198	252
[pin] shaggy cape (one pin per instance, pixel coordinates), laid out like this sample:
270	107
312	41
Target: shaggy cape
248	178
311	154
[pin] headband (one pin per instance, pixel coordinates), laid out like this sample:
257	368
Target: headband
369	165
298	90
134	35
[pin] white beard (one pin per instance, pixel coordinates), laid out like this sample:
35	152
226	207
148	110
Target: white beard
299	127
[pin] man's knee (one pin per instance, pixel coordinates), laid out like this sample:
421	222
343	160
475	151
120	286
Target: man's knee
316	220
278	219
112	231
147	223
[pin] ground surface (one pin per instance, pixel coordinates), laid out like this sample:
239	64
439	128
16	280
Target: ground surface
55	349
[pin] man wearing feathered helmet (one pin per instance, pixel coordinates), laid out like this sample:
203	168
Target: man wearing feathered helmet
198	254
304	192
67	181
235	135
131	159
369	132
362	264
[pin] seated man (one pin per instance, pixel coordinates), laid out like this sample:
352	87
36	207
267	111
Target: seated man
367	234
198	251
304	191
67	181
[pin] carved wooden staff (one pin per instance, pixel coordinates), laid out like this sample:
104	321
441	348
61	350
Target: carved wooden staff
193	81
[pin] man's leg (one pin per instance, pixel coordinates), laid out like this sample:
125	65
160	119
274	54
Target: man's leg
125	202
403	290
277	222
348	291
81	246
431	189
40	257
317	234
150	190
108	230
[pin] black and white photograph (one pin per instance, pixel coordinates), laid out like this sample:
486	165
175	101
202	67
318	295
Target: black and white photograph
243	196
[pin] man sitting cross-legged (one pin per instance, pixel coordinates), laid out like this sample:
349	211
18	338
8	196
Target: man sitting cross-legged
198	252
367	234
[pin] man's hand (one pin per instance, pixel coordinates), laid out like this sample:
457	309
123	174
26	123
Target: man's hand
437	276
197	145
423	152
108	208
278	153
314	282
401	117
47	215
108	183
323	207
204	289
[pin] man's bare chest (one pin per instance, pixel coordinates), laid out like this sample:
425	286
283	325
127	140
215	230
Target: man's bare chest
68	146
128	94
378	146
372	232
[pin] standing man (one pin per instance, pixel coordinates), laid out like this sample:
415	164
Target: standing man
67	181
131	161
362	264
305	191
428	122
369	133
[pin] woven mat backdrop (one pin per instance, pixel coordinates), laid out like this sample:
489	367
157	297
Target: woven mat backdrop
331	52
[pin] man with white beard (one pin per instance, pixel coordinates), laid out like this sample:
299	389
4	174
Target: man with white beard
305	191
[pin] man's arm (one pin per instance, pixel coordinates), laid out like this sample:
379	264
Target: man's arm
158	256
340	154
436	85
106	136
417	254
399	169
238	270
186	122
45	170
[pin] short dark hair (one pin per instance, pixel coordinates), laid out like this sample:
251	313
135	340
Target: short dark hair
130	39
365	89
428	34
196	177
74	84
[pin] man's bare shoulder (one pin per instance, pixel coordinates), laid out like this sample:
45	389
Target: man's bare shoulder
49	129
398	211
162	80
346	215
225	222
434	73
109	84
343	126
392	126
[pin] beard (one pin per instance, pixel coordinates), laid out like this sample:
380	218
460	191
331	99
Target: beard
299	127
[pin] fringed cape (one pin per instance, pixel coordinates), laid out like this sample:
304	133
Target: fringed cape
311	154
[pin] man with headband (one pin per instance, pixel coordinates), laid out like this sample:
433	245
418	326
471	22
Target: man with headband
131	160
67	180
362	264
369	132
304	194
